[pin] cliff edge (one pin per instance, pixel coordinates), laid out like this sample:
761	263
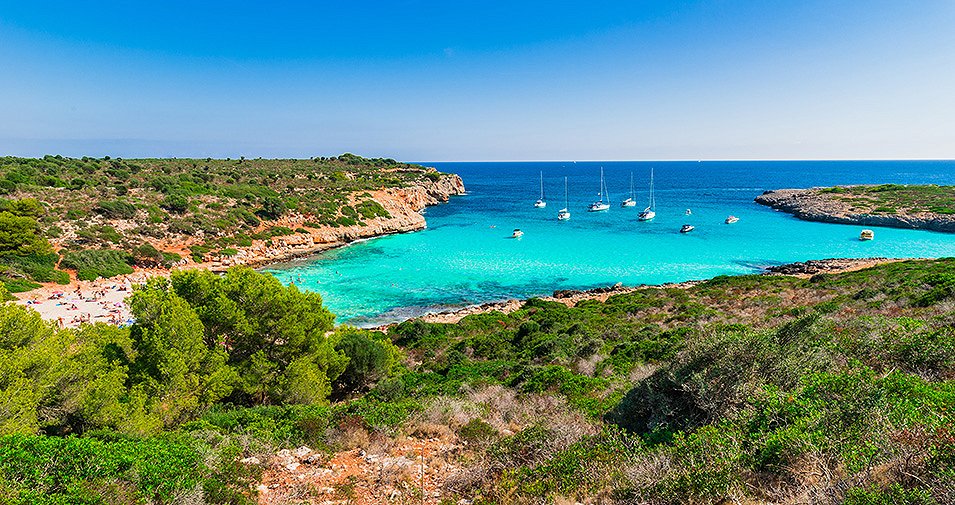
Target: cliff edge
404	205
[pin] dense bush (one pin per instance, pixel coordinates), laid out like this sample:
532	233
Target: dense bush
116	209
369	359
38	267
175	203
51	470
21	234
93	263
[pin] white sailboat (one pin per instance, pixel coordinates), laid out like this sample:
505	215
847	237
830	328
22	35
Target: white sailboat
630	202
541	203
564	214
600	205
649	212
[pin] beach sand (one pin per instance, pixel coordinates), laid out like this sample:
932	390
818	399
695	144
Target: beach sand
102	300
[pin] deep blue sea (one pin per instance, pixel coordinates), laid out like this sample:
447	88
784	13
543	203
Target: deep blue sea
466	255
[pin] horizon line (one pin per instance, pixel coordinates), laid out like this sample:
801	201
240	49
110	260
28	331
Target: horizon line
700	160
617	160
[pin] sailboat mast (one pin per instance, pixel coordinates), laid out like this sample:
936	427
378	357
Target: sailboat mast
600	190
542	184
653	200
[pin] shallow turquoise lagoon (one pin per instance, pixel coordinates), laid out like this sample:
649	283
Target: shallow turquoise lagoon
466	255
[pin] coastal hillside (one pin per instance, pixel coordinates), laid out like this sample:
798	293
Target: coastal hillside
818	388
101	216
925	207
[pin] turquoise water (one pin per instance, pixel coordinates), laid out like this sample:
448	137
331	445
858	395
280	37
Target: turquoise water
466	255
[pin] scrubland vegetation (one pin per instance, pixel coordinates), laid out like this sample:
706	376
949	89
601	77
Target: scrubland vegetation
751	389
109	214
896	198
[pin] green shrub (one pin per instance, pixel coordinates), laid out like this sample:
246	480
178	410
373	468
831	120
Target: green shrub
93	263
116	209
51	470
368	359
477	431
19	285
370	209
175	203
37	267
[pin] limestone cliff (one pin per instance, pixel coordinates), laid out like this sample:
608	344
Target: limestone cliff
404	206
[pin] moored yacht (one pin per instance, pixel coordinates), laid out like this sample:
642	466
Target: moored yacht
517	233
687	228
731	219
564	214
649	212
600	205
630	202
867	235
541	202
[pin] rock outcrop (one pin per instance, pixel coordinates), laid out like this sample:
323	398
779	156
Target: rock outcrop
827	266
814	205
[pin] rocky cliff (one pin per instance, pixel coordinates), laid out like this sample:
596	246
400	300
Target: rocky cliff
404	206
815	205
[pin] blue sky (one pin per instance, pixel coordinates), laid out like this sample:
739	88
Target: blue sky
420	80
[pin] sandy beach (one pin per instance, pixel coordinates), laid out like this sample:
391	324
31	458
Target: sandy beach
99	301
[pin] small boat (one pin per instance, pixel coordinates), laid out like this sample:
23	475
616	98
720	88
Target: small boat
867	235
630	202
688	212
541	203
564	214
687	228
649	213
600	205
517	233
731	219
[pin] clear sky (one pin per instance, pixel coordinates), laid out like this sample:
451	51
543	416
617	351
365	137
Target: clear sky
479	80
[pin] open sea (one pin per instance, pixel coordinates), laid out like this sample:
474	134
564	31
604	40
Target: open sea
466	255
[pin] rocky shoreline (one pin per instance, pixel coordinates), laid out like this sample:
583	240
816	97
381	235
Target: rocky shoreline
404	206
815	205
572	297
827	266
